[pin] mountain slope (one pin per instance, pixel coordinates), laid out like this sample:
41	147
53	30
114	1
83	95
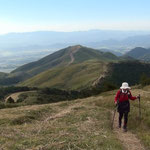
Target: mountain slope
111	51
79	124
145	57
63	58
75	76
138	52
58	126
92	72
2	75
55	59
129	71
21	48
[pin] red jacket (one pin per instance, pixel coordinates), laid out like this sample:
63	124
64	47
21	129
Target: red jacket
124	96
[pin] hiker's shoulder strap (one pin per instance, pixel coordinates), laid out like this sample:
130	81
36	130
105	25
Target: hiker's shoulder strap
117	95
120	93
129	94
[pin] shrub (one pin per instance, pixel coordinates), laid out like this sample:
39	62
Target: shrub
10	100
144	80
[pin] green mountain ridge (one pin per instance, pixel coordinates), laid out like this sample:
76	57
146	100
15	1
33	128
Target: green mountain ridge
75	76
96	73
83	68
64	58
139	53
78	67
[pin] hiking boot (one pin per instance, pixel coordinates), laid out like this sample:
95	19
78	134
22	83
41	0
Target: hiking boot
124	129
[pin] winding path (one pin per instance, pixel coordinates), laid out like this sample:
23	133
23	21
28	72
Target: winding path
128	139
73	51
15	96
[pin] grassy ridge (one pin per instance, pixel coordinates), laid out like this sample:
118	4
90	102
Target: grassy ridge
85	54
84	70
62	58
138	125
80	124
141	125
74	76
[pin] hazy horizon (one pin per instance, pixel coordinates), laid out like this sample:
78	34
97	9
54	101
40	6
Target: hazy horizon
69	15
13	32
31	29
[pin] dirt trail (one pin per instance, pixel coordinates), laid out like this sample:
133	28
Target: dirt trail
15	96
101	77
63	112
55	116
73	51
128	139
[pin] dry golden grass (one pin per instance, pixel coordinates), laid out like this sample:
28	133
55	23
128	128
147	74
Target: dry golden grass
80	124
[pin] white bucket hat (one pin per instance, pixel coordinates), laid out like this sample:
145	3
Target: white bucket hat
125	86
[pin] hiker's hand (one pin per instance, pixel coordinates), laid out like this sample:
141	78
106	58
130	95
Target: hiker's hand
116	104
138	96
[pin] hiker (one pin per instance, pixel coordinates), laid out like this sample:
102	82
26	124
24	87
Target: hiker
122	102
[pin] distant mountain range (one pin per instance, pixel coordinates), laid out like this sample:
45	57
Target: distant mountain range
59	39
115	40
127	43
20	48
111	51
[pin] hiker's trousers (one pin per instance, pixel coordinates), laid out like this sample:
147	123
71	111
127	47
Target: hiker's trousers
125	115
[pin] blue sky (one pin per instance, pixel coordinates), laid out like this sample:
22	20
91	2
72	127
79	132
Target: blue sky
73	15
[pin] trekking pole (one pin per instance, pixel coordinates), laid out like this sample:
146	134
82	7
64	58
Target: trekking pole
113	117
139	106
